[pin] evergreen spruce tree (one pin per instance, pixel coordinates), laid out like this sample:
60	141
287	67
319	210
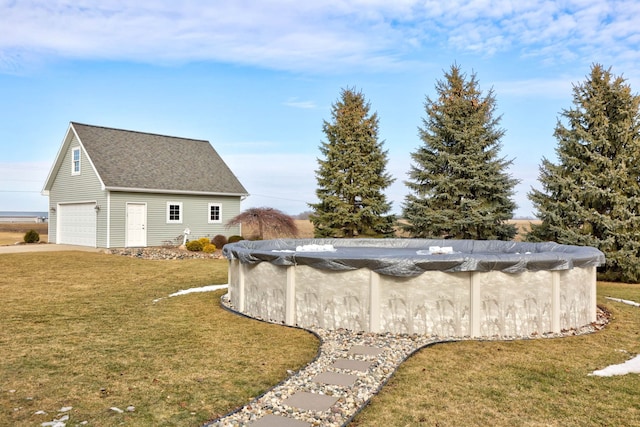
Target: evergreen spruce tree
352	175
592	195
459	184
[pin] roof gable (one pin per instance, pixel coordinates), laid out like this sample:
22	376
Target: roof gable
137	161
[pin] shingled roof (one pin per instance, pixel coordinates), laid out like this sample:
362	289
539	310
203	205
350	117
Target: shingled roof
137	161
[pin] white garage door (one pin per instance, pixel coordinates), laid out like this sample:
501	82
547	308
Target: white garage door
77	224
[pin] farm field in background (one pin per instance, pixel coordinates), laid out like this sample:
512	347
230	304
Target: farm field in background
10	233
305	228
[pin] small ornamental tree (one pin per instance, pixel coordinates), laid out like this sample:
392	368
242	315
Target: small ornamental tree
459	185
352	174
592	195
267	222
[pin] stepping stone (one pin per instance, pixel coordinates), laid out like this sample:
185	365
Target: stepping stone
365	350
310	401
335	378
277	421
352	365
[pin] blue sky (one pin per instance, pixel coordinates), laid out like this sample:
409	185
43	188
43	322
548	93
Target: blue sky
257	78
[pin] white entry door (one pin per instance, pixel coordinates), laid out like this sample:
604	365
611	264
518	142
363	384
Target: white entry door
136	225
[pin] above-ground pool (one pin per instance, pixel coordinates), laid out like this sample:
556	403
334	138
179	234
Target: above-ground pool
452	288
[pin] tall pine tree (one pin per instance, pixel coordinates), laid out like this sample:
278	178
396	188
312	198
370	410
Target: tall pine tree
459	185
352	175
592	195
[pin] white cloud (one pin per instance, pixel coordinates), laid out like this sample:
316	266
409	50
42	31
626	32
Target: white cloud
324	35
557	87
279	34
296	103
549	30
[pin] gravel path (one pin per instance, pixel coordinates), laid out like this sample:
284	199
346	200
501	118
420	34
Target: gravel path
350	368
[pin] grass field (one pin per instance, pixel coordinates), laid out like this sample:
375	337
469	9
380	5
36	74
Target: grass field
520	383
305	228
82	330
12	233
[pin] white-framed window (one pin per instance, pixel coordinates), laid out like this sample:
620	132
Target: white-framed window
75	161
215	213
174	212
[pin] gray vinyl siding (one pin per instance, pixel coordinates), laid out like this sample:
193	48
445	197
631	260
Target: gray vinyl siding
63	187
159	232
85	187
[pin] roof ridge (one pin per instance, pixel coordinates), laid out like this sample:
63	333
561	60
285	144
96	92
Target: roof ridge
139	132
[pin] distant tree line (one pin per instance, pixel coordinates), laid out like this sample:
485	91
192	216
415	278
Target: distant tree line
459	184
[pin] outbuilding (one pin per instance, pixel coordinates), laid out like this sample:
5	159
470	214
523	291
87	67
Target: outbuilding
119	188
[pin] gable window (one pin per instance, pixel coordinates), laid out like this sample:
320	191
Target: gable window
174	212
75	161
215	213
